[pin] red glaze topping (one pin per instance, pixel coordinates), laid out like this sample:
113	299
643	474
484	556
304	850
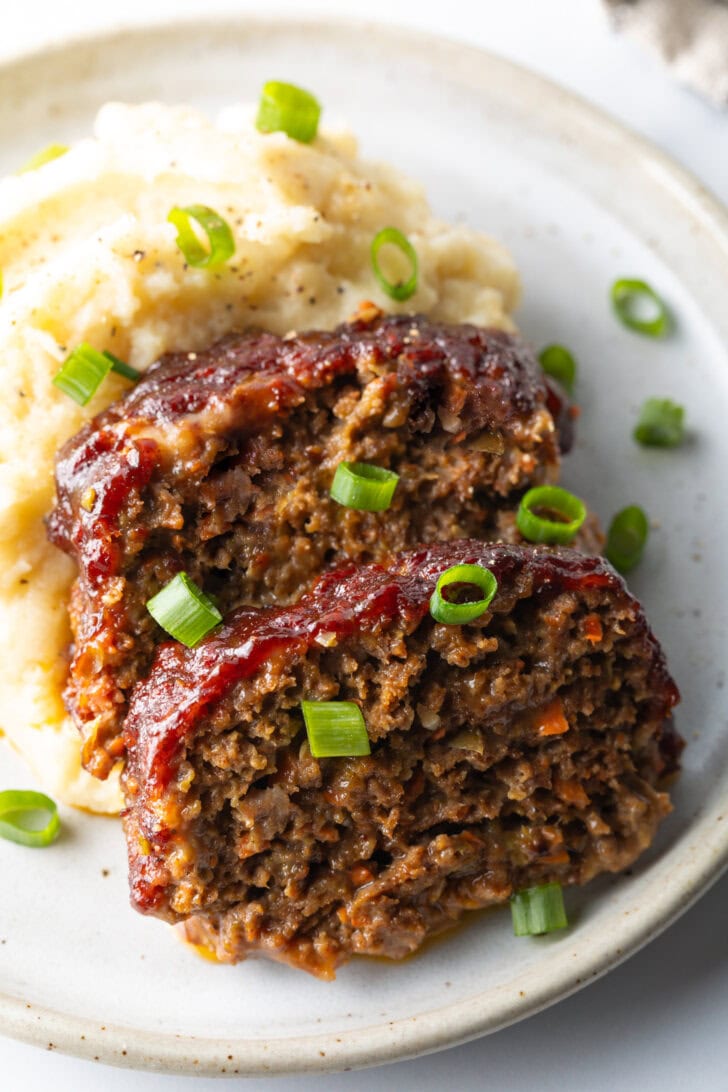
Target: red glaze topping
105	467
499	376
488	378
185	683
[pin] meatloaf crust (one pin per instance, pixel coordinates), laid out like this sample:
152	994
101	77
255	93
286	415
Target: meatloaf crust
219	463
524	747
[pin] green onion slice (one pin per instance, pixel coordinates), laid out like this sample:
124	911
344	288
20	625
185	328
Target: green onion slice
46	155
285	108
83	373
85	370
392	236
640	308
557	361
550	514
122	368
538	910
184	611
335	729
453	614
626	538
21	812
364	486
660	424
219	236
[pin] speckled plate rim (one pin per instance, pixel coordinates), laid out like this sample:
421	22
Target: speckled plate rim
701	858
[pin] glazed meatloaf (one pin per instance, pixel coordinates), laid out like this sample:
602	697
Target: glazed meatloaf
525	747
219	463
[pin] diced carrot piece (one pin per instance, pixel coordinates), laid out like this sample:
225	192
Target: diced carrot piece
559	856
550	721
592	629
572	792
360	875
366	312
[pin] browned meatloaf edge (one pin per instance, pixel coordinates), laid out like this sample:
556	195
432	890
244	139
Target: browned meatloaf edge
219	463
528	746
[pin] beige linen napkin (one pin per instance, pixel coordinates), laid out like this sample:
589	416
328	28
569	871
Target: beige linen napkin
692	36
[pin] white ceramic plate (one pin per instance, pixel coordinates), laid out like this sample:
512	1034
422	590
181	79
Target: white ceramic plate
580	201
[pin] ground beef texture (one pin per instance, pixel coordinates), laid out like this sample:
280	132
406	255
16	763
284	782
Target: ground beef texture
219	463
530	745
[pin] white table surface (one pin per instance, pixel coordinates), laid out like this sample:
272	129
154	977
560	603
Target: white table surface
659	1021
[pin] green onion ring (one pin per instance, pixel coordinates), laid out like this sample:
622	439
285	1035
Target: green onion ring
660	424
557	361
628	296
122	368
536	528
285	108
538	910
363	486
626	538
16	807
396	290
335	729
219	236
82	373
454	614
184	611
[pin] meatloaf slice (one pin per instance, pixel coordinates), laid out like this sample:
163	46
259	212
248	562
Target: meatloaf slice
524	747
219	463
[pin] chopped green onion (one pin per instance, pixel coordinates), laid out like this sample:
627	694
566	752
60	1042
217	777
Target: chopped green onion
660	423
46	155
184	611
392	236
453	614
335	729
85	370
82	373
557	361
20	810
550	514
122	368
640	308
285	108
538	910
363	486
219	236
626	538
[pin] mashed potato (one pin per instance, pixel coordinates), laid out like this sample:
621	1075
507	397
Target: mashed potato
87	254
